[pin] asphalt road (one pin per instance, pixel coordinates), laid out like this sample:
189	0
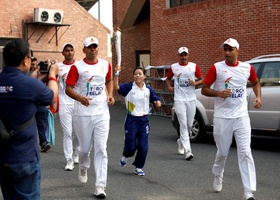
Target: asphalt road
168	175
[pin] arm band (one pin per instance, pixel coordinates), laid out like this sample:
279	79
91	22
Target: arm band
52	78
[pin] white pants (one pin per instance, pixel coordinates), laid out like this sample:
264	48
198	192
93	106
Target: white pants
185	111
70	141
93	131
240	128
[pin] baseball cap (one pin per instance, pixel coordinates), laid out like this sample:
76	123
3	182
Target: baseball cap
183	49
90	40
67	44
231	42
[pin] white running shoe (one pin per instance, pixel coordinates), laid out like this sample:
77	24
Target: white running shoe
218	183
188	155
248	196
69	166
100	192
123	161
82	175
139	172
180	147
75	157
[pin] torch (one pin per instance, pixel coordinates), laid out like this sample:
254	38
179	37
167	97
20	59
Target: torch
117	37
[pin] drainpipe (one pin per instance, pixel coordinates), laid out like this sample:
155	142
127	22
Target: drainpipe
99	10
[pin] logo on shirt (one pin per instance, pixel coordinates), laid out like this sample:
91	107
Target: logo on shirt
235	92
88	85
130	107
178	79
63	79
93	90
5	89
227	82
184	83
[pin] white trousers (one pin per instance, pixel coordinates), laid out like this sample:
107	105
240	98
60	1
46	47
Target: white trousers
70	141
240	128
185	111
93	131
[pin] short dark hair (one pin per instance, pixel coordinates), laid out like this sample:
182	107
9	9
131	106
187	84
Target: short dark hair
15	51
142	69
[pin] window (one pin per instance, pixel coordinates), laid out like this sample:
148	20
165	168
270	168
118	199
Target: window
256	66
268	72
271	75
174	3
143	58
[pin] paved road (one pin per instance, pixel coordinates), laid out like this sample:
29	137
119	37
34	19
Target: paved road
168	175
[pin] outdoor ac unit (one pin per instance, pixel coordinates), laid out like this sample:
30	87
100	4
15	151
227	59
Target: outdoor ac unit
48	16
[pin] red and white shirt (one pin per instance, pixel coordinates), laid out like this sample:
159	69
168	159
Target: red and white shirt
62	74
89	80
183	90
234	77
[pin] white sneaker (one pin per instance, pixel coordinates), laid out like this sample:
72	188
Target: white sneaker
218	183
248	196
123	161
82	175
75	157
100	192
139	172
188	155
69	166
180	147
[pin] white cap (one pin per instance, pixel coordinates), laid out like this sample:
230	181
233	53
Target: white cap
67	44
90	40
183	49
231	42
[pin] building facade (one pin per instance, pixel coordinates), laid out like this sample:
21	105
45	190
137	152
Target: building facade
46	34
153	30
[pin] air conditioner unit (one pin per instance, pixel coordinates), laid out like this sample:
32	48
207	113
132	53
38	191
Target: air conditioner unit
48	16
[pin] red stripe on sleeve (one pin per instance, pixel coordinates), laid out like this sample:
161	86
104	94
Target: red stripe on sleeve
109	75
198	72
72	76
253	76
211	75
170	74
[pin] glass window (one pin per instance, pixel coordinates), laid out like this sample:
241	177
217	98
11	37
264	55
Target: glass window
256	66
257	70
174	3
271	74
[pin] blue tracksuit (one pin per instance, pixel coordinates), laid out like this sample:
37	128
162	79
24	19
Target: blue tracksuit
137	126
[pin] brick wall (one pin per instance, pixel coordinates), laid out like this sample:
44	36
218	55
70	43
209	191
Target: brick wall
132	39
83	25
202	27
